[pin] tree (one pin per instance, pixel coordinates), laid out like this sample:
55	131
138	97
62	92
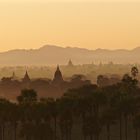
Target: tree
136	125
14	117
28	96
124	102
91	99
127	105
52	108
103	81
66	108
128	85
109	118
134	72
4	115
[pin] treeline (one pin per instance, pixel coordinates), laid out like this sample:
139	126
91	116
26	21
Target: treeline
89	113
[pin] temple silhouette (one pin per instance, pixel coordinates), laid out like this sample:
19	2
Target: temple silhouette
70	64
11	86
58	79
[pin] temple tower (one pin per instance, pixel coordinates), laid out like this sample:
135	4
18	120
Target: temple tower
26	78
70	64
58	76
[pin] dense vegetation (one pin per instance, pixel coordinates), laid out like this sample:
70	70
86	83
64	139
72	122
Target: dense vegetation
89	113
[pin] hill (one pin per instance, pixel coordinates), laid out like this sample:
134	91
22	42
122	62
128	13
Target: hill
52	55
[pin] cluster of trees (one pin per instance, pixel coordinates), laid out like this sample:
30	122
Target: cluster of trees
107	113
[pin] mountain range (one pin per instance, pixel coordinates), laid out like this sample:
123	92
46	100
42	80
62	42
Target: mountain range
52	55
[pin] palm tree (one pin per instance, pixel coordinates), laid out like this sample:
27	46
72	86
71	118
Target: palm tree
28	96
136	125
124	100
26	102
27	130
42	119
114	102
127	105
82	103
52	108
134	72
42	131
66	108
14	117
91	99
4	115
127	102
92	127
109	118
128	85
111	113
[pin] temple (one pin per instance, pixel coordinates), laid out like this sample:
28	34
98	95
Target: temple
26	78
12	86
70	64
58	76
13	76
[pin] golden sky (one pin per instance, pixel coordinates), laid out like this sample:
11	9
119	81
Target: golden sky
77	23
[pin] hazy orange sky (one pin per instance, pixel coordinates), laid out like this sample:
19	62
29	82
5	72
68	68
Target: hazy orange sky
78	23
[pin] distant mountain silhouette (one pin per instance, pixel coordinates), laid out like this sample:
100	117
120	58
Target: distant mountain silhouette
52	55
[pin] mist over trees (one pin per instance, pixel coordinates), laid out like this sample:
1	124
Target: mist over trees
91	70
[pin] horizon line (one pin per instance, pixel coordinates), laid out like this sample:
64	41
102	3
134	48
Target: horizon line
50	45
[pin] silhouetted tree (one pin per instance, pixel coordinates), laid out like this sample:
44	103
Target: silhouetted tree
134	72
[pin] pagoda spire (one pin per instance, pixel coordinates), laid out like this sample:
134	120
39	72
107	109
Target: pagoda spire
70	63
58	78
26	77
13	76
58	69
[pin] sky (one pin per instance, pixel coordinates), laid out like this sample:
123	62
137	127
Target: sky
91	24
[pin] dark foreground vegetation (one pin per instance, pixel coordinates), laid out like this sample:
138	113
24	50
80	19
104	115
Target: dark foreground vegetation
88	113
